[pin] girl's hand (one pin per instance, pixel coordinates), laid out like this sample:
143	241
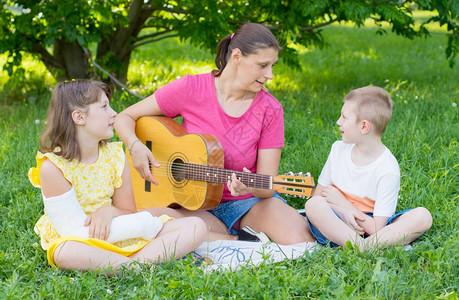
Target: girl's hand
236	187
99	222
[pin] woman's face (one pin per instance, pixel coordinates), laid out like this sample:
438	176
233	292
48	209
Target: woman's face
255	70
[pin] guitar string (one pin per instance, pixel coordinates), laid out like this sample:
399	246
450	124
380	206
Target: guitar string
202	168
197	170
205	170
290	187
259	180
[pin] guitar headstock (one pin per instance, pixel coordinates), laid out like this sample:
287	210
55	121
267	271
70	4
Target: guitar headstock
295	184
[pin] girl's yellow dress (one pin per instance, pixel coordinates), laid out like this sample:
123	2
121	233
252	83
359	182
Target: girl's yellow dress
94	186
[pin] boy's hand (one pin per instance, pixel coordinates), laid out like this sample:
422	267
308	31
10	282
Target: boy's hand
334	196
99	222
351	217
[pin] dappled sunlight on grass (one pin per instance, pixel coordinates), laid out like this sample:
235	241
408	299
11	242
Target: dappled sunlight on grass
360	57
28	86
30	64
422	135
3	74
160	63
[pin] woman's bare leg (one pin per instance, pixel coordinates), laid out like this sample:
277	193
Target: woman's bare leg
279	221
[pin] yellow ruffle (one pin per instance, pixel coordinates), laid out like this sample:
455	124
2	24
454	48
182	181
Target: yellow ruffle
127	250
91	242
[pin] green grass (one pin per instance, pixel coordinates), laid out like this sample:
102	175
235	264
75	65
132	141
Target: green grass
423	135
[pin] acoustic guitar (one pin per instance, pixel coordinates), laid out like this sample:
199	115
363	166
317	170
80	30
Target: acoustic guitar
191	174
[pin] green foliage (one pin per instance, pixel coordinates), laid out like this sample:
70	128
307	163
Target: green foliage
31	26
57	32
423	135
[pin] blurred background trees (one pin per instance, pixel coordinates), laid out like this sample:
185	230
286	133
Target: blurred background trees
67	35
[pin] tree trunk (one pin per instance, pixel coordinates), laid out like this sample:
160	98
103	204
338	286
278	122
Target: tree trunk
72	58
118	45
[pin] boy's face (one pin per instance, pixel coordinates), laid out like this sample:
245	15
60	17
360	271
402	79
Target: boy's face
348	125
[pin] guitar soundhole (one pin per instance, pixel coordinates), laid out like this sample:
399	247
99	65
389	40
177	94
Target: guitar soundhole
178	170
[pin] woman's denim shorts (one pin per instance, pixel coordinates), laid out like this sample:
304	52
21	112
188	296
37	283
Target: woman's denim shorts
231	211
321	239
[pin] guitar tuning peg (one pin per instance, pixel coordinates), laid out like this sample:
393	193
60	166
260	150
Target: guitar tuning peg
299	174
308	174
289	173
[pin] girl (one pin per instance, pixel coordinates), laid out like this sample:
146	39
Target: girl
86	185
233	104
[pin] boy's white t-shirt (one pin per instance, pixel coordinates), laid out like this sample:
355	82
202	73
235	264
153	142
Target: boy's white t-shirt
378	181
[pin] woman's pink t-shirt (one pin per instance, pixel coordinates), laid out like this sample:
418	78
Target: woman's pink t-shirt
261	127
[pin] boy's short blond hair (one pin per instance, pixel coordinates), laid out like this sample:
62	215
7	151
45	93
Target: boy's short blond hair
371	103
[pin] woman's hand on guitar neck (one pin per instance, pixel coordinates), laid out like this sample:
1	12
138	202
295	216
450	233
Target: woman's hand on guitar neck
142	159
236	187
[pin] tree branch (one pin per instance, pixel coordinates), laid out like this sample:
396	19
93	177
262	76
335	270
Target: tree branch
307	28
113	78
166	9
311	28
153	35
48	59
151	41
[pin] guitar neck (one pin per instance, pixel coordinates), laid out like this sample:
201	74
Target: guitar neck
218	175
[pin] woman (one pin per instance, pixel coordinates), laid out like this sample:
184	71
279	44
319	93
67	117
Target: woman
232	104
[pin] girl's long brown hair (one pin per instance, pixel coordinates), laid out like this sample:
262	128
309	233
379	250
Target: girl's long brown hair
60	133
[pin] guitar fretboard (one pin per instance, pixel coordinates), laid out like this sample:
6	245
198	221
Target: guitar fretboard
218	175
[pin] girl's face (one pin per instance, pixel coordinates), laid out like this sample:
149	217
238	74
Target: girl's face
256	69
100	118
348	125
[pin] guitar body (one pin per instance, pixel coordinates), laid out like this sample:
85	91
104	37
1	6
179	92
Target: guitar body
172	146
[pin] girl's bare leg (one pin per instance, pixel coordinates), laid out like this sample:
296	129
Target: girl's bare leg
216	229
80	256
177	238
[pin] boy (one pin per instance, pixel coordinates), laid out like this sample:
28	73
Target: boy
358	187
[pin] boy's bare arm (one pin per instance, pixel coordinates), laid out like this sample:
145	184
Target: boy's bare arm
319	190
349	217
349	212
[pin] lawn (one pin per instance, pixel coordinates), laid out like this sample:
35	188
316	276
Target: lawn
423	136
